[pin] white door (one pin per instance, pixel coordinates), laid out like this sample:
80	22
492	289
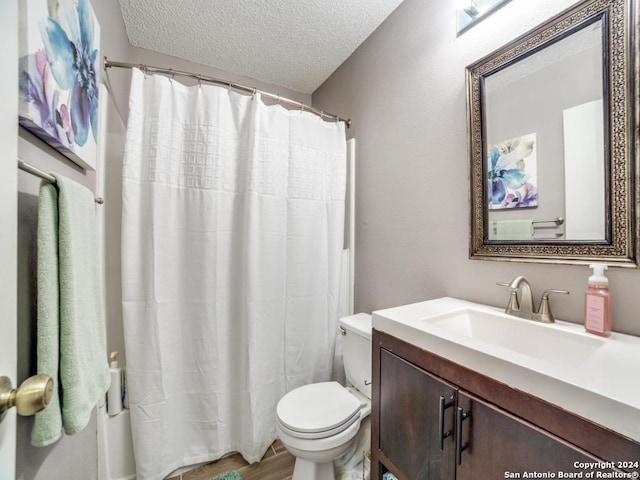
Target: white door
8	222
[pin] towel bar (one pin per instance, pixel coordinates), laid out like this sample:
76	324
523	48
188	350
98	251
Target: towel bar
47	177
557	221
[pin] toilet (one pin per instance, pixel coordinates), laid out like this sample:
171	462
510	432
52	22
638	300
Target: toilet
319	423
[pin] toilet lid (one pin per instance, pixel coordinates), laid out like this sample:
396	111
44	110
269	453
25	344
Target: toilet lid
318	407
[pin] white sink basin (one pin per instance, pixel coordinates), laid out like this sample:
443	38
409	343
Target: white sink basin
536	340
594	377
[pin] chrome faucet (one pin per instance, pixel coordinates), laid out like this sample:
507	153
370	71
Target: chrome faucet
525	308
520	308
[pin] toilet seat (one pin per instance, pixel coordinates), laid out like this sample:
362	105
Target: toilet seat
318	410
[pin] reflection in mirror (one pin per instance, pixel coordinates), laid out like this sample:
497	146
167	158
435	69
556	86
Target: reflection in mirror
551	141
470	12
544	120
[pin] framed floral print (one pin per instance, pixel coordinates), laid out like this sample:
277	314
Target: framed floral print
513	173
59	76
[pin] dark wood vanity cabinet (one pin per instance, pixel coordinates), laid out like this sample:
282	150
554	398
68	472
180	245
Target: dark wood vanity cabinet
409	429
500	444
436	420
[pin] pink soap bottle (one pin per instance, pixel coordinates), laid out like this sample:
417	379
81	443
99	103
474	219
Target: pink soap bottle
597	304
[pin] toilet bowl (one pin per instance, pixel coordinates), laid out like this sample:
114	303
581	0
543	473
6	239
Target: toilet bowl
318	423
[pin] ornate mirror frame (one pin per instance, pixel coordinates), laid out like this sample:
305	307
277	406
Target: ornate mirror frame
621	246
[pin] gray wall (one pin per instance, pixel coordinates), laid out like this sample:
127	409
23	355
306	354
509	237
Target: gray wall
404	89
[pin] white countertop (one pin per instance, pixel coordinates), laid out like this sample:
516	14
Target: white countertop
603	386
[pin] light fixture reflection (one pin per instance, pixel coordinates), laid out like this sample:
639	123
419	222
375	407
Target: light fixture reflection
469	12
471	9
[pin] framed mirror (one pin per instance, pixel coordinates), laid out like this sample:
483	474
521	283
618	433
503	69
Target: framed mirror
552	132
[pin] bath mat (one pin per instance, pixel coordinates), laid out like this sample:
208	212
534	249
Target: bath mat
232	475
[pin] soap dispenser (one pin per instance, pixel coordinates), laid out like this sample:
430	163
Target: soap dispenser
597	305
114	394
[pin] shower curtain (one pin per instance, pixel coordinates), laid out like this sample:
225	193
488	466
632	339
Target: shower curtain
233	217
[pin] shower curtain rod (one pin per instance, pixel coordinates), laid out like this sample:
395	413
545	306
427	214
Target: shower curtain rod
170	71
47	177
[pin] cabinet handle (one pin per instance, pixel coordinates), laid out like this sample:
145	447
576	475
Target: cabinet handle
460	417
441	433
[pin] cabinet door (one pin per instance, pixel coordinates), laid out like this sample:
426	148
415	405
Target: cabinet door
499	445
411	419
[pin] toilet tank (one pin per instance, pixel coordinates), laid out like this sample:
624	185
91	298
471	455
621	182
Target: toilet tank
356	351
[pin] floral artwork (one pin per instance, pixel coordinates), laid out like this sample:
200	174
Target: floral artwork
512	173
59	68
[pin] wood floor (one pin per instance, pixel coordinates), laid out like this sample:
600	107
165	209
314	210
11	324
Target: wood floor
277	464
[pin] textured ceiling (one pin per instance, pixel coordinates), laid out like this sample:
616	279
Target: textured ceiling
292	43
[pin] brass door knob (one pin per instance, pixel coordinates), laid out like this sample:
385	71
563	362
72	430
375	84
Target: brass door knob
33	395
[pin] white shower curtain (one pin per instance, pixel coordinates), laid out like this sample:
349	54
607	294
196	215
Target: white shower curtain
233	222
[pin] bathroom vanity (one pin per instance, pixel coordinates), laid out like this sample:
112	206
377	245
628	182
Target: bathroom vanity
449	402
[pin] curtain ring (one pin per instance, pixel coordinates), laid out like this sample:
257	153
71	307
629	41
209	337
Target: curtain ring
229	88
278	99
254	93
321	114
301	107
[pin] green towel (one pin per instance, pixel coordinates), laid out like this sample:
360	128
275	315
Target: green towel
232	475
71	338
48	423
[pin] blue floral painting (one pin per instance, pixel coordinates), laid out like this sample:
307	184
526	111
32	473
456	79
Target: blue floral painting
59	75
512	172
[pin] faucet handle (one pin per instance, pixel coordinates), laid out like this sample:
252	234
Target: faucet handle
513	307
546	293
545	315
